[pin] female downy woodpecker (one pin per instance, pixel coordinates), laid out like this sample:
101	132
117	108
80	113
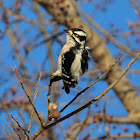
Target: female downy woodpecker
73	59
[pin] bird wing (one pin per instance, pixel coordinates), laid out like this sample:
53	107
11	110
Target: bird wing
84	62
67	60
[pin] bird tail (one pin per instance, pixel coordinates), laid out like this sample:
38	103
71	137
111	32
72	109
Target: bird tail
69	84
66	87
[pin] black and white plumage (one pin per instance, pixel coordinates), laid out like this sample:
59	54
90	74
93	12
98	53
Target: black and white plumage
73	59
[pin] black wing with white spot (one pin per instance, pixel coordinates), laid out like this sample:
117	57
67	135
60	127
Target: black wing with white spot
84	62
67	60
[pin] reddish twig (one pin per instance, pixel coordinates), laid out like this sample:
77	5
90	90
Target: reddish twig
7	131
20	127
33	103
1	2
49	100
13	128
105	122
124	136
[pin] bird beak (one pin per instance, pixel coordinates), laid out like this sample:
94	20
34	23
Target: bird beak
68	31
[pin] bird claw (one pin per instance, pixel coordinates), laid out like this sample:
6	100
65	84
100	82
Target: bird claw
50	76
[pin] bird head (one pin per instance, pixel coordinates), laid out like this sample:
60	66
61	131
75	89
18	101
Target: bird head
77	35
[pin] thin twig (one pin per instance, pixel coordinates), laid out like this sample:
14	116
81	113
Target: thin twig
13	128
105	122
80	127
136	6
44	32
14	42
37	87
20	127
124	136
119	120
7	131
49	100
63	130
45	40
1	2
92	83
30	121
28	97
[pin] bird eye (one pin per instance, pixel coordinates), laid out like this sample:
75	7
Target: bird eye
82	38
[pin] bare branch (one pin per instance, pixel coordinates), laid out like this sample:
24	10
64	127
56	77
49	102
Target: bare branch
105	122
20	127
14	129
29	98
30	121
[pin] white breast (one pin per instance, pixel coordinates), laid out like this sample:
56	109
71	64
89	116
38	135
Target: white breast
65	49
76	66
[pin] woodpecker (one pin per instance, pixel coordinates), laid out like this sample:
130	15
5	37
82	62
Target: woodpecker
73	59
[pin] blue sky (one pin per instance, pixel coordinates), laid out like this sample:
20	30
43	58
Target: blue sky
119	13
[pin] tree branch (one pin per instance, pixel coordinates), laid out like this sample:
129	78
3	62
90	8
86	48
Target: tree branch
29	97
